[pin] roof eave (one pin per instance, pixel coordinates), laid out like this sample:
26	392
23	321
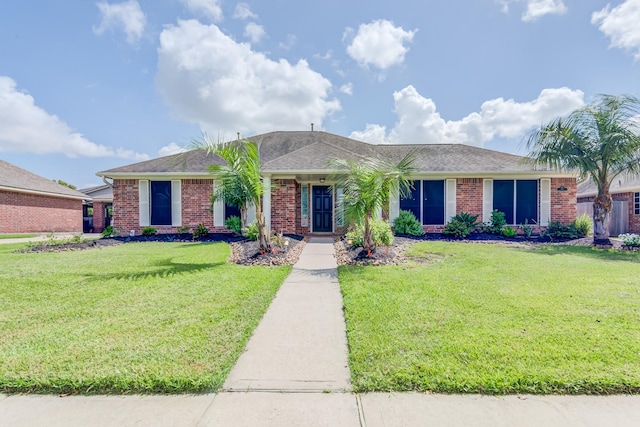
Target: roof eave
44	193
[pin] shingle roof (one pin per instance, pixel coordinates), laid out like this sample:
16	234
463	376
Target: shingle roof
621	184
20	180
310	151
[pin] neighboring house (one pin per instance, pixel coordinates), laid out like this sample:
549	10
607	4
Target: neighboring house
98	211
174	191
30	203
625	213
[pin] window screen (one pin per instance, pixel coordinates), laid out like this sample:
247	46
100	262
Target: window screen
433	202
503	198
160	202
412	202
526	201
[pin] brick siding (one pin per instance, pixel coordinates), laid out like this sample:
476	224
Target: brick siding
285	215
469	196
564	207
32	213
98	216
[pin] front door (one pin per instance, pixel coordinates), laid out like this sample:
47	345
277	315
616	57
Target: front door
322	209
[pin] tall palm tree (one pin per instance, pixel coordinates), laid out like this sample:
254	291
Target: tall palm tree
240	178
600	141
368	186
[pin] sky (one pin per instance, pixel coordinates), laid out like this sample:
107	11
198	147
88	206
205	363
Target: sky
88	86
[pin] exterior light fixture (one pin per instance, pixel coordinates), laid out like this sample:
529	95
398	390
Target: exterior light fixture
322	180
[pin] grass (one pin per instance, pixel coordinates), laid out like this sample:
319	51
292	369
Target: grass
17	236
474	318
134	318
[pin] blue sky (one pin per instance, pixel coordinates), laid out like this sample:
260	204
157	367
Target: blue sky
87	86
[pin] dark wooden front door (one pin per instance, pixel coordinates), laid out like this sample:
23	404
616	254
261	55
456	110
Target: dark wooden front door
322	209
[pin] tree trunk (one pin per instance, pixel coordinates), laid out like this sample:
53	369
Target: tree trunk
243	217
368	244
601	209
263	236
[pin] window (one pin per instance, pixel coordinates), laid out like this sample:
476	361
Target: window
636	203
412	202
160	202
231	210
433	202
517	199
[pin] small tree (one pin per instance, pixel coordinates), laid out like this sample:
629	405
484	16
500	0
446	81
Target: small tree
600	141
240	179
368	186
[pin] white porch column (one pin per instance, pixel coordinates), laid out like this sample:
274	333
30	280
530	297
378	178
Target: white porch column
266	201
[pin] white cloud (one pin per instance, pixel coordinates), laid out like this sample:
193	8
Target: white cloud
254	32
27	128
539	8
289	43
126	16
225	87
536	8
420	122
171	148
379	43
243	11
620	24
209	8
347	88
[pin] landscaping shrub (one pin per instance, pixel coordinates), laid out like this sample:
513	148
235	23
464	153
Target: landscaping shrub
407	223
233	223
200	231
380	230
495	224
461	225
509	232
632	240
583	225
557	230
184	229
526	228
108	231
251	232
149	231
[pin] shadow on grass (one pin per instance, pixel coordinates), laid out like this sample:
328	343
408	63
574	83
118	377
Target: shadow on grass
165	268
587	252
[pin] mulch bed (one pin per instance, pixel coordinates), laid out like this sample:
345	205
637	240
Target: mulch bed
245	252
395	254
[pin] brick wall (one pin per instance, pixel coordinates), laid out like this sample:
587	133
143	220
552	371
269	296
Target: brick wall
469	196
634	220
564	206
31	213
196	206
285	198
98	216
196	203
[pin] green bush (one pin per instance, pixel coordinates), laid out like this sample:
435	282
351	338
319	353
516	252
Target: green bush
380	232
526	228
583	225
200	231
497	222
509	232
557	230
184	229
407	223
251	232
149	231
233	223
632	240
108	231
461	225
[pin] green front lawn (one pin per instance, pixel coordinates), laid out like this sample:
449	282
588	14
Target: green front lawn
17	236
496	319
139	317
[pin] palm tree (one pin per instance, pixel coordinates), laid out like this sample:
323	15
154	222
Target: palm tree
240	179
368	186
600	141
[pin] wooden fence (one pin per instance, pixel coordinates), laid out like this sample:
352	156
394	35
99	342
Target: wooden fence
618	220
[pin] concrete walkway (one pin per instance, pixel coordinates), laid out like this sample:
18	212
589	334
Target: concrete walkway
294	373
301	343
